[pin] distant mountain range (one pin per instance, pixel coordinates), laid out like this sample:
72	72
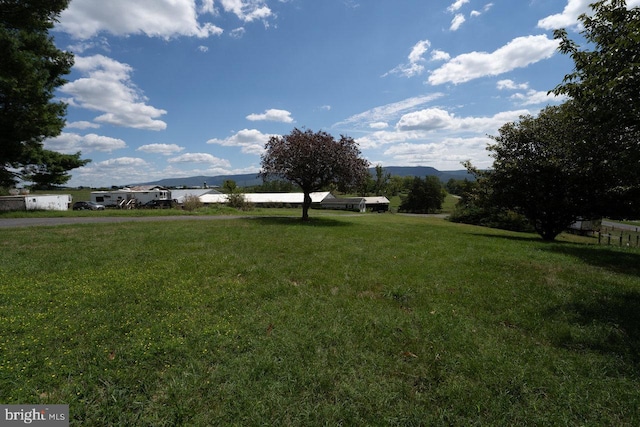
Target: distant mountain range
250	179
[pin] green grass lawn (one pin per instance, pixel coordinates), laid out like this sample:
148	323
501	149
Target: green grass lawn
346	320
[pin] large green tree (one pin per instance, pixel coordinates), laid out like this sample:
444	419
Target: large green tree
31	68
604	88
313	161
425	196
538	171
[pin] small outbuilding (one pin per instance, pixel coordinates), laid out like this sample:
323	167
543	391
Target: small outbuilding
377	204
345	203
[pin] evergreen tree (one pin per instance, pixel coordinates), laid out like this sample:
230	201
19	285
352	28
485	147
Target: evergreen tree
31	68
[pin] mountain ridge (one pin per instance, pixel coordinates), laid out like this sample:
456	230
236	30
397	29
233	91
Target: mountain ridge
250	179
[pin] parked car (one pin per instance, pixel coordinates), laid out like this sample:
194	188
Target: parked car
92	206
157	204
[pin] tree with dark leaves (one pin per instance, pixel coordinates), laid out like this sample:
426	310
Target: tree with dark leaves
313	161
425	196
538	171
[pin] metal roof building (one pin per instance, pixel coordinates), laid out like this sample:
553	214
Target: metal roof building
265	198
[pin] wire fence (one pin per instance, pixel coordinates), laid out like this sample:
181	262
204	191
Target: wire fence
613	236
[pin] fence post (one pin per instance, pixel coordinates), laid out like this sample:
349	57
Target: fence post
599	236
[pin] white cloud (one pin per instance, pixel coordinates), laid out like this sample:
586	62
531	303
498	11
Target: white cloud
93	142
438	119
251	141
511	85
425	124
488	124
448	152
106	86
351	4
113	171
518	53
205	158
379	125
84	19
534	97
208	6
457	22
438	138
127	162
389	112
272	115
82	125
569	15
415	65
203	49
530	97
486	8
98	43
429	119
457	5
439	55
237	33
164	149
72	142
247	10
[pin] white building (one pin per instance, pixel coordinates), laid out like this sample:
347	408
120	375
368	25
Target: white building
293	199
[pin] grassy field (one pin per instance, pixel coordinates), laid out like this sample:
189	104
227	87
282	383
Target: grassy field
347	320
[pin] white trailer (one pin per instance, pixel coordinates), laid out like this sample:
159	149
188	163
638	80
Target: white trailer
35	202
112	198
133	196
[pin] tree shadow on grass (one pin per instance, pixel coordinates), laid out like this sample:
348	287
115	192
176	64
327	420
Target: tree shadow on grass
615	260
605	320
523	238
610	258
297	221
607	324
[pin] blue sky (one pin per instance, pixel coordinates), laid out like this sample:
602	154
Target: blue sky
176	88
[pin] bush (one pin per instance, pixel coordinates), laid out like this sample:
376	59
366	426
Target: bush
490	217
191	203
238	201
